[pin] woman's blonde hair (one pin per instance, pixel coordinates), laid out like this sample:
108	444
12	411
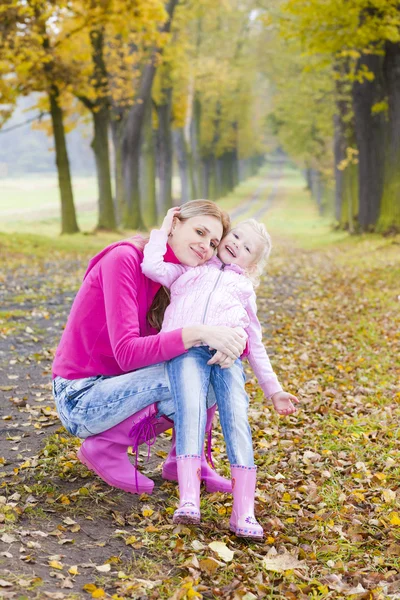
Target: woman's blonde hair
201	208
259	265
194	208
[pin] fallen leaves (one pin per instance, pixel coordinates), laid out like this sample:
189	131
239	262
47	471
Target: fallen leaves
222	550
280	563
327	477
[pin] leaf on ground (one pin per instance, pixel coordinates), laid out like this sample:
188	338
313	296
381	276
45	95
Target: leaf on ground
394	518
389	496
222	550
55	564
197	545
283	562
209	565
103	568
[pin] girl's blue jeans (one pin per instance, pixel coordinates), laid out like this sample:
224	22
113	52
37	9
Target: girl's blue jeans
190	378
94	404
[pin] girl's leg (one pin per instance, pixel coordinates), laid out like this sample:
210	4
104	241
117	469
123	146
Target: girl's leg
189	377
232	403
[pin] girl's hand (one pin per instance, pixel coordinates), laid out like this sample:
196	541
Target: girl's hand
283	403
222	360
169	219
230	342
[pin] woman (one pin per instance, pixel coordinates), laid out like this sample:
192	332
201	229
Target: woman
109	379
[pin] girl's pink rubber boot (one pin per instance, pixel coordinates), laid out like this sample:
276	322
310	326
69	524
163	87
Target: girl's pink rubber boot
212	481
189	479
243	522
106	452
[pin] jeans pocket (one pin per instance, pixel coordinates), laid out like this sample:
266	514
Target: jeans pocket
78	387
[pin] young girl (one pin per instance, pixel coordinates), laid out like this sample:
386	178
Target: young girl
219	292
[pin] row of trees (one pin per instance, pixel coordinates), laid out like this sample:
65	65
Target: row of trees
156	78
337	102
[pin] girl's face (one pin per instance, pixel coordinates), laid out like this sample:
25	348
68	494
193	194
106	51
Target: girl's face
242	246
193	241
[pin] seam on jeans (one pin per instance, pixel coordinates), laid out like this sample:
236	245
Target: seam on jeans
110	404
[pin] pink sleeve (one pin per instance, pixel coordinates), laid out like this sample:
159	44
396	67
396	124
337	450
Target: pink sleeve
119	276
257	356
153	265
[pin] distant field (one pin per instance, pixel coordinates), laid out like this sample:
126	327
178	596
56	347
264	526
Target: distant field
32	198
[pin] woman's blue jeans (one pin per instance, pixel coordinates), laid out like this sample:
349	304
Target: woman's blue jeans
94	404
190	378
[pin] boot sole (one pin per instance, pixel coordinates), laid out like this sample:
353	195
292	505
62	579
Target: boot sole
112	482
245	535
186	519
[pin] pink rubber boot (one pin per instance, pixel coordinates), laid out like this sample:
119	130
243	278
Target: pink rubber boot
106	452
243	522
189	468
213	481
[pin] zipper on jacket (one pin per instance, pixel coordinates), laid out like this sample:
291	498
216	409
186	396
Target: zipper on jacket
210	294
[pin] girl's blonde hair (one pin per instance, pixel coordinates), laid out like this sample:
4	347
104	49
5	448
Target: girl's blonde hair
194	208
259	265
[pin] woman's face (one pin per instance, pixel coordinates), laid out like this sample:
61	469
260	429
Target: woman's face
193	241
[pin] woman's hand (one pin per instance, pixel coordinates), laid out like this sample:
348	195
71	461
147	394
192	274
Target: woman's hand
221	359
226	340
169	219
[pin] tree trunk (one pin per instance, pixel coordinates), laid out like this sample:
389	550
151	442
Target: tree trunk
389	218
132	135
316	189
182	155
148	170
117	130
106	219
199	175
164	152
68	215
339	151
100	108
350	198
369	131
210	178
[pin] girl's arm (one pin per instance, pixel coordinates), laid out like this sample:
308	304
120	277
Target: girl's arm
153	265
258	357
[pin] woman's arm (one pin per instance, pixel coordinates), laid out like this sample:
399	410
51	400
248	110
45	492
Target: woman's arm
258	357
153	265
120	279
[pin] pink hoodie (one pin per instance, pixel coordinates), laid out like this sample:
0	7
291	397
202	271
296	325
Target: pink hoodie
211	294
107	332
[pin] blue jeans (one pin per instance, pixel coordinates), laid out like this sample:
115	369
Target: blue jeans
94	404
190	378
